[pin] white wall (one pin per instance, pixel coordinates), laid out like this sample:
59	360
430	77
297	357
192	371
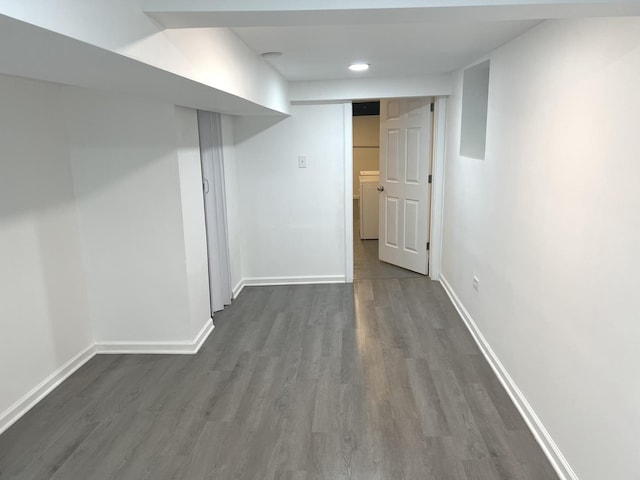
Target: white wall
366	147
102	233
370	88
127	182
293	219
193	217
213	57
44	312
217	57
549	222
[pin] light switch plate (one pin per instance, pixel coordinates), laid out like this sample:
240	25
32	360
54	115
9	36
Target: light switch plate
302	161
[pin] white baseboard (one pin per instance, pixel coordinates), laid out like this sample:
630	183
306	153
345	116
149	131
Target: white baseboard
237	289
272	281
175	348
542	436
29	400
268	281
203	334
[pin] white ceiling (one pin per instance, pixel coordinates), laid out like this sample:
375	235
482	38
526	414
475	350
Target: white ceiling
119	45
320	38
325	52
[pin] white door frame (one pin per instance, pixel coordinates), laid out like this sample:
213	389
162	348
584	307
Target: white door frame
437	189
406	155
348	191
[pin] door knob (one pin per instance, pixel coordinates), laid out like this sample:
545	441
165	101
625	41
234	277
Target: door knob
380	188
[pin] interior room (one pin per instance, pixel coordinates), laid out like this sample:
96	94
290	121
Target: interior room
197	282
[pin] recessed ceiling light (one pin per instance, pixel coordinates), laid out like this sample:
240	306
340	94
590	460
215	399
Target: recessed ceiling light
359	67
270	54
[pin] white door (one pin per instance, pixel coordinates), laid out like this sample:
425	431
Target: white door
405	166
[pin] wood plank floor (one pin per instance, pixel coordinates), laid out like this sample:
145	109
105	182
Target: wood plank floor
379	380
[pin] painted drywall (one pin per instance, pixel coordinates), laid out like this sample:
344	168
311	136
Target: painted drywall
53	57
220	59
549	223
366	131
126	174
44	311
293	219
366	147
368	88
215	58
102	233
193	217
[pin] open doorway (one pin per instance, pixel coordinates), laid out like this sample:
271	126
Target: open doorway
378	214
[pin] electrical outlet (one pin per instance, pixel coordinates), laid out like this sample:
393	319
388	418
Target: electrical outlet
302	161
476	283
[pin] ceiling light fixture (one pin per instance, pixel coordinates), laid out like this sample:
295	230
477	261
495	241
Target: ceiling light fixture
359	67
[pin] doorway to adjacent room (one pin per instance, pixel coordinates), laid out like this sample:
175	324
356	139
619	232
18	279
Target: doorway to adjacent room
392	217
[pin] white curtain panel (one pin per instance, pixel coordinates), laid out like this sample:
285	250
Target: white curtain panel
210	132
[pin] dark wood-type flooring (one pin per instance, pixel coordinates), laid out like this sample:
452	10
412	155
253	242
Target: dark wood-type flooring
380	380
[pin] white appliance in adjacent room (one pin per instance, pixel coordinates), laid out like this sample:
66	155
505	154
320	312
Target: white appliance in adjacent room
369	204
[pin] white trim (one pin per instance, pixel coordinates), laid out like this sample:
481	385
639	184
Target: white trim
181	347
237	289
437	188
267	281
40	391
542	436
203	334
29	400
348	191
